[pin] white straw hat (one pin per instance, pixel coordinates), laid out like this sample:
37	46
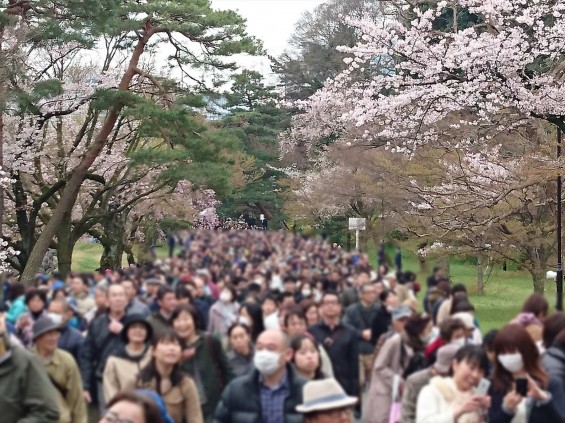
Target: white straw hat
325	394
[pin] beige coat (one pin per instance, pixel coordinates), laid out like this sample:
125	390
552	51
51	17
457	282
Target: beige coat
182	401
121	372
438	401
67	384
387	364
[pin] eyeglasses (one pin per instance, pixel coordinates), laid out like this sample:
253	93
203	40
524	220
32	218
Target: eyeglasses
330	302
112	417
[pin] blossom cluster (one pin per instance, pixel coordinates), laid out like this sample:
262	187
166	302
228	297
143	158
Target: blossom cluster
509	63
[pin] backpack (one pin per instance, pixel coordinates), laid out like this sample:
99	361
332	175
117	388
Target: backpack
416	363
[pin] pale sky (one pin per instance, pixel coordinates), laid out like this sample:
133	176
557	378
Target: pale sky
272	21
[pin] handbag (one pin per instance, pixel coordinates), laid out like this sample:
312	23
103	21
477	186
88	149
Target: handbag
396	407
395	412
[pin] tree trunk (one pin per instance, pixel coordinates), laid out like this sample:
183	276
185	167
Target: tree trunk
264	210
64	246
77	175
112	255
538	278
422	258
480	276
113	242
444	264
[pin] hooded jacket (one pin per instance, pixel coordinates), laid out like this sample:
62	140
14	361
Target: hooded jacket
122	370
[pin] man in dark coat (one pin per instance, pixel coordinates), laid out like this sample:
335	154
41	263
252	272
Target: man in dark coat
103	340
360	316
341	341
271	393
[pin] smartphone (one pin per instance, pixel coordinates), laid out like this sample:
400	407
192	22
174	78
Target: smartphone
522	386
483	387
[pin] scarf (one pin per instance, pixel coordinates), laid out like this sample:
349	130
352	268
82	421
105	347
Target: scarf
454	397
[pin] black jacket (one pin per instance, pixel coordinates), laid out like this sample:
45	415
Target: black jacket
553	361
100	343
381	324
71	341
342	345
241	400
551	411
361	318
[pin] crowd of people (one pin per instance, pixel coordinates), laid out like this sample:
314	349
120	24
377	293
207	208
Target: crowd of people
259	326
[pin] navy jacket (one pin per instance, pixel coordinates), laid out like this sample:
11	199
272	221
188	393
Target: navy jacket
71	340
550	411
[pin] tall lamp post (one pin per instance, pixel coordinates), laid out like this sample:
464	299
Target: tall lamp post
559	277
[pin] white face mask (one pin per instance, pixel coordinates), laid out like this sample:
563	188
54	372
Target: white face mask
306	292
426	338
225	297
267	362
57	318
460	342
243	320
511	362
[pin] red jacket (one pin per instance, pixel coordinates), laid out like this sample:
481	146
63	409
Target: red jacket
433	347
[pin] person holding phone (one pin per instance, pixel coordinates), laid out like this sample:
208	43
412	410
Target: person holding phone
521	390
455	398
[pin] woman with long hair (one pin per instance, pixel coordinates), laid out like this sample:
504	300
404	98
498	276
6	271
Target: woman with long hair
453	398
306	357
393	360
250	314
521	390
203	358
164	376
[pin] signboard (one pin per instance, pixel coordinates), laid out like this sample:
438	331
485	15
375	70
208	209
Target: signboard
357	223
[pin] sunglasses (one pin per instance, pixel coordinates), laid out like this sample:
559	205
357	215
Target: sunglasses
112	417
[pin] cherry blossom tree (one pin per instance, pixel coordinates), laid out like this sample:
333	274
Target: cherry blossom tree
201	38
458	90
494	74
6	251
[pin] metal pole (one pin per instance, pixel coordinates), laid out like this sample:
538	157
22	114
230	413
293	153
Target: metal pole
357	239
559	277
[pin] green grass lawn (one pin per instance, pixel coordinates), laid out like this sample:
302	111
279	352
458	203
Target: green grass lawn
505	291
86	257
